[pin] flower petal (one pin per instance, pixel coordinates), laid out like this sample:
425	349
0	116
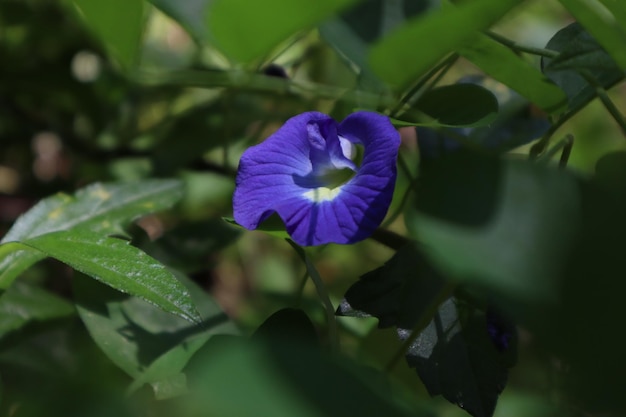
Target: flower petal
281	175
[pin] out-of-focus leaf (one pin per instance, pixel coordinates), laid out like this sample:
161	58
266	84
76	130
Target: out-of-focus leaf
459	105
504	225
584	327
356	29
100	208
505	66
516	124
271	377
120	266
397	58
24	303
235	25
44	367
118	23
604	27
455	357
287	325
579	51
147	343
189	14
397	294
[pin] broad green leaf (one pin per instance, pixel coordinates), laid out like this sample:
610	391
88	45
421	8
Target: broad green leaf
147	343
271	375
504	225
119	25
505	66
352	33
618	8
246	30
25	303
164	373
101	208
579	51
16	258
455	357
119	265
458	105
188	13
398	293
602	25
414	48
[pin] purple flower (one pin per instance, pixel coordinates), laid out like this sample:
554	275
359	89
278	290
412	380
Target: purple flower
309	173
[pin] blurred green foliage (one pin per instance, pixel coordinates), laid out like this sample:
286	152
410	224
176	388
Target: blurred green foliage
136	296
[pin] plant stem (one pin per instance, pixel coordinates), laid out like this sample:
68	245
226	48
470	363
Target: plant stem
521	48
443	66
333	330
407	172
605	99
565	145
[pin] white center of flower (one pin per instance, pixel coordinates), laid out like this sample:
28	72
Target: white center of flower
320	194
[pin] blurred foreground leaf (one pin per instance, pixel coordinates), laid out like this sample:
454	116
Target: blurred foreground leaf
605	27
271	375
24	303
235	25
118	23
504	65
396	60
504	225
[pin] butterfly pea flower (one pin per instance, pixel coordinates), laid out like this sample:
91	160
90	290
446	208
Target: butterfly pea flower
329	182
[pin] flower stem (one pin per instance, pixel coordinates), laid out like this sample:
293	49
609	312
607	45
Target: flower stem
333	330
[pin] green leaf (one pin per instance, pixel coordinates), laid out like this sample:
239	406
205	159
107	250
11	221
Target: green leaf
602	25
236	25
398	293
505	66
355	30
147	343
271	375
189	14
120	266
505	225
273	226
16	258
24	303
459	105
100	208
119	25
455	357
579	51
413	49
